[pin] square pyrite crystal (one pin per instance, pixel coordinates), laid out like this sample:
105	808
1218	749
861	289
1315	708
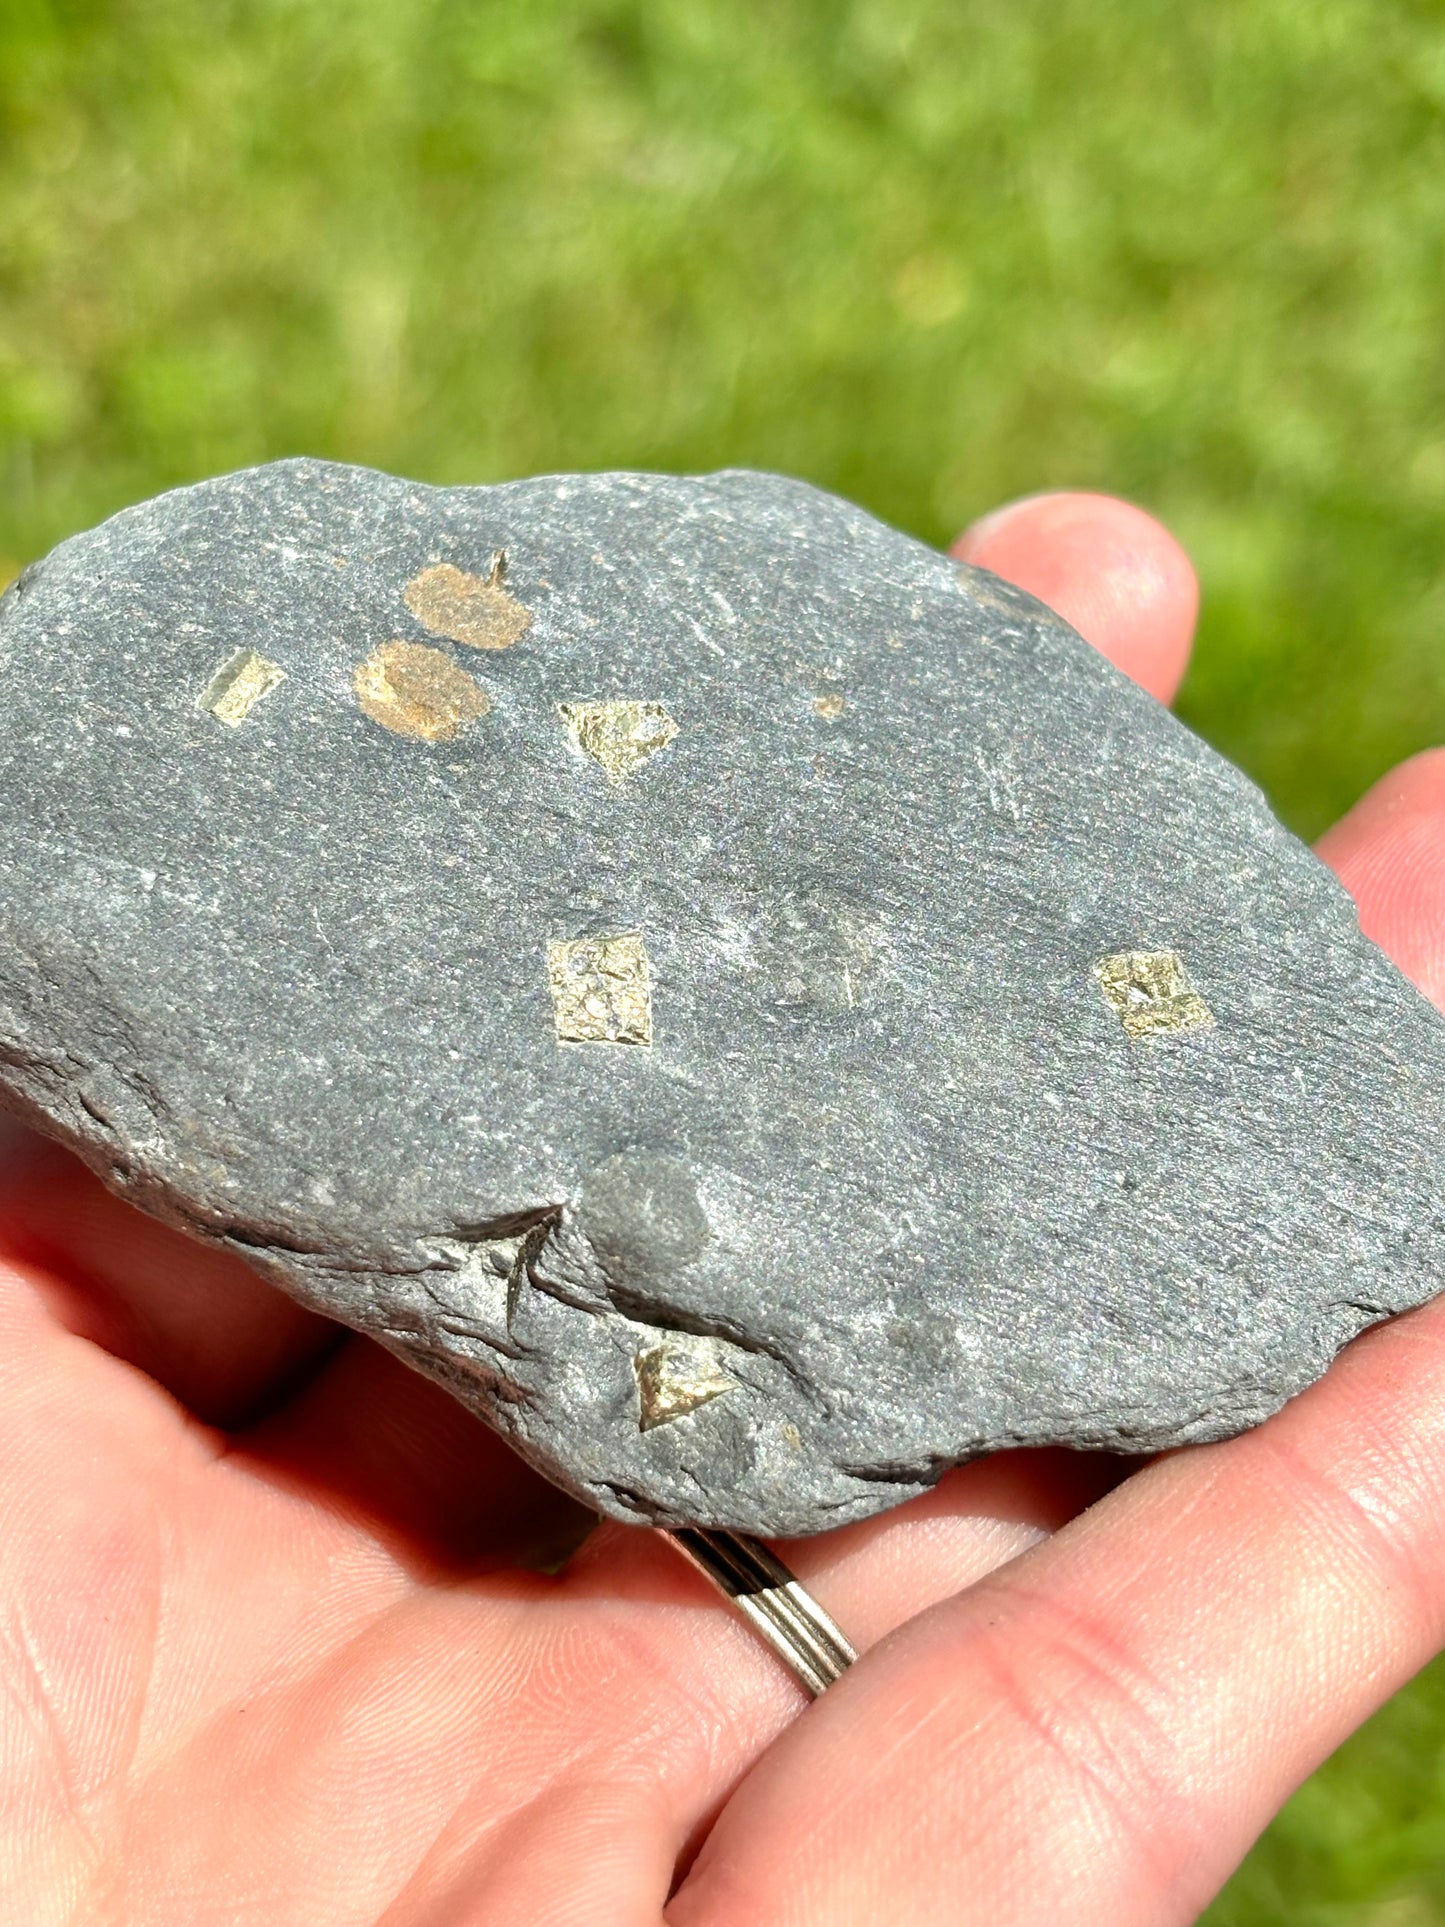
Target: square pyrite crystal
239	684
674	1379
1151	992
618	736
601	990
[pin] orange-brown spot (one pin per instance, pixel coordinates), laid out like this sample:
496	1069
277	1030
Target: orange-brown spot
474	609
415	690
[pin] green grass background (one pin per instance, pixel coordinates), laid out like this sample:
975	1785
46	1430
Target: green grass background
932	253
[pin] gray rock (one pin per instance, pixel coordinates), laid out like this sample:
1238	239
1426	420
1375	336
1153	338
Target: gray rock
759	1012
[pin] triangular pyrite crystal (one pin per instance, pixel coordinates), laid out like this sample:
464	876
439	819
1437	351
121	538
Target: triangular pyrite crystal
935	1048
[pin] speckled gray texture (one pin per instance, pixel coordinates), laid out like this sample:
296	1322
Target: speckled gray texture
892	1184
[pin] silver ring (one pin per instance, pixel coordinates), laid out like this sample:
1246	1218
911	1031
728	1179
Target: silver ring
771	1600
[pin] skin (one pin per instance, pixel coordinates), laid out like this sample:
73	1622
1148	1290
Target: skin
274	1648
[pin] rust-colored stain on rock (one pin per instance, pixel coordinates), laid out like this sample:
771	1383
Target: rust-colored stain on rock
474	609
415	690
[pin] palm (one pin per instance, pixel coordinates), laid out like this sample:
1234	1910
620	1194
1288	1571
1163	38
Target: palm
276	1674
277	1645
293	1672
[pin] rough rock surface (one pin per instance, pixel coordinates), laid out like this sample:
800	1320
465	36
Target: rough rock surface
759	1012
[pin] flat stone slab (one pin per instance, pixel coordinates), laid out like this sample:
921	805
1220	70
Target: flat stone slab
758	1011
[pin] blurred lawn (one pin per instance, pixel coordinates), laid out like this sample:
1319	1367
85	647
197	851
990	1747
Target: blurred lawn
932	253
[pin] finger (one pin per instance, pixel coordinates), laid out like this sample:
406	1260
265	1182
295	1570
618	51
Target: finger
1161	1676
1150	1685
1105	566
871	1577
198	1321
1389	852
884	1569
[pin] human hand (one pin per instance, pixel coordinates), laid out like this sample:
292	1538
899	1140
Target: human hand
271	1650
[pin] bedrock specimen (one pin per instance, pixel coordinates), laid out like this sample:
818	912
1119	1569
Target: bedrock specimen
761	1012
